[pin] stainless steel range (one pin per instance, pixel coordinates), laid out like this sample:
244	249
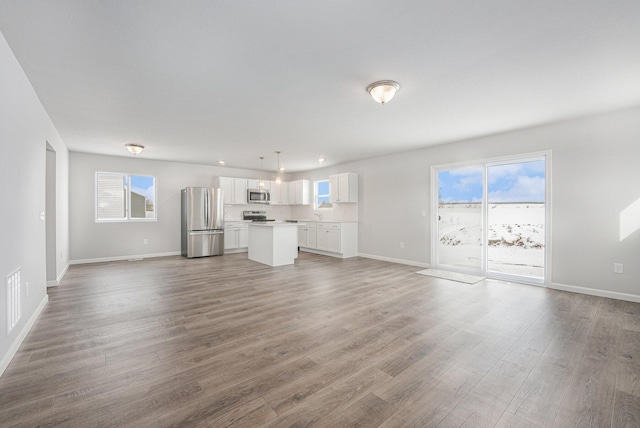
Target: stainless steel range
256	216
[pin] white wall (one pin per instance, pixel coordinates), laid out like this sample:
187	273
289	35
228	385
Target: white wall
595	176
91	241
25	129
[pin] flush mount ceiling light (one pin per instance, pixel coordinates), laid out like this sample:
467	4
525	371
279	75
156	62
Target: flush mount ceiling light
383	91
134	149
321	159
221	162
278	179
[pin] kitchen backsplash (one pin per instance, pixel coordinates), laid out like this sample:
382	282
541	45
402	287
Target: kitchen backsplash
338	212
278	212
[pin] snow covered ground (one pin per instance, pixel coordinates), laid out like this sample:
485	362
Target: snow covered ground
515	238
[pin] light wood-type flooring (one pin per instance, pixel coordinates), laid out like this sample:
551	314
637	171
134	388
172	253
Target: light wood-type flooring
224	341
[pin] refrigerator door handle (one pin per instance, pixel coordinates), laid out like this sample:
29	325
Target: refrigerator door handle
206	232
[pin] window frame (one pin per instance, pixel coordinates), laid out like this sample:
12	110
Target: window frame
316	195
127	218
485	163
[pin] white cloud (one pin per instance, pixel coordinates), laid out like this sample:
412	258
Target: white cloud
148	192
525	189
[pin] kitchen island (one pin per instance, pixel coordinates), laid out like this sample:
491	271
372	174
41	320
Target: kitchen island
273	243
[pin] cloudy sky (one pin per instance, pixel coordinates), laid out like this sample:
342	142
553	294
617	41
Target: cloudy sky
514	182
143	185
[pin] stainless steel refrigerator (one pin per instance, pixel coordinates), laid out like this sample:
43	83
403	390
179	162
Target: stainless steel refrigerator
202	222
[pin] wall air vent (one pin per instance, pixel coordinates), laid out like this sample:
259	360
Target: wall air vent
14	303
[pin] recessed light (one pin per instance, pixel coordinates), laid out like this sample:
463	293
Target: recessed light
221	162
322	159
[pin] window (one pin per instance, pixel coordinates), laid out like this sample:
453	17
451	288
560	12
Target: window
122	197
321	190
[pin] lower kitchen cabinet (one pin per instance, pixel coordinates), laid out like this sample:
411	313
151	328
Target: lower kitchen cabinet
331	238
236	235
329	235
307	237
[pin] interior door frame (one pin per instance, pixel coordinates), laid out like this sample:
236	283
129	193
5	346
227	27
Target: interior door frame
434	169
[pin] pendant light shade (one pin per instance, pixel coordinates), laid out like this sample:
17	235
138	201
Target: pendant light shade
278	179
134	149
261	181
383	91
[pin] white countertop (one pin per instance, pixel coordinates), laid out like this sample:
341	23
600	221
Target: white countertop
275	224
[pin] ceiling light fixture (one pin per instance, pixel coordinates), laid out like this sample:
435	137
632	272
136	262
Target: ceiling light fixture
221	162
134	149
321	159
278	179
383	91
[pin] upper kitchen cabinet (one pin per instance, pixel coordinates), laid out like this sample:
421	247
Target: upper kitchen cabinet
255	184
235	189
299	192
343	188
279	193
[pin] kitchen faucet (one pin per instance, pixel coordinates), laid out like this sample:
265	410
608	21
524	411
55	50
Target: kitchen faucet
319	217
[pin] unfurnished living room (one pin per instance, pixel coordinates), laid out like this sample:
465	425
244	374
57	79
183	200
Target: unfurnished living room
329	214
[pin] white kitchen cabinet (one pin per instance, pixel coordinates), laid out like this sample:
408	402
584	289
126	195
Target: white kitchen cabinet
253	183
235	189
299	192
335	239
329	237
279	193
243	237
307	236
343	188
236	235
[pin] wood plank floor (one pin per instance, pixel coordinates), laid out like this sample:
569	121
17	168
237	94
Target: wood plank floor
223	341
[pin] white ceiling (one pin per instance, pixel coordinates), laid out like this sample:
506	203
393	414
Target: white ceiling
199	81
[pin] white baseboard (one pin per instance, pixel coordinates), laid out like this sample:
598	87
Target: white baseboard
236	250
562	287
120	258
392	260
56	282
6	359
324	253
595	292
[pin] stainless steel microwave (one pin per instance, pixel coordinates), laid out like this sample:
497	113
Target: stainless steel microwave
258	196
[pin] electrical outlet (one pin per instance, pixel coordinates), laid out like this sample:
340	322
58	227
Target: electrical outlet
424	213
146	241
618	268
401	244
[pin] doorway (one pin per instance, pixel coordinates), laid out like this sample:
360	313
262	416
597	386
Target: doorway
50	216
491	218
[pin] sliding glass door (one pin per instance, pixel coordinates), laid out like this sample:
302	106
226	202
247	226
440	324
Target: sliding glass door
491	218
460	219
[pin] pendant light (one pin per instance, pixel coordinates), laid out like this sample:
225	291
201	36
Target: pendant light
278	179
261	181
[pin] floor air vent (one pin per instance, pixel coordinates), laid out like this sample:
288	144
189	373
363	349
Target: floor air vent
14	304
